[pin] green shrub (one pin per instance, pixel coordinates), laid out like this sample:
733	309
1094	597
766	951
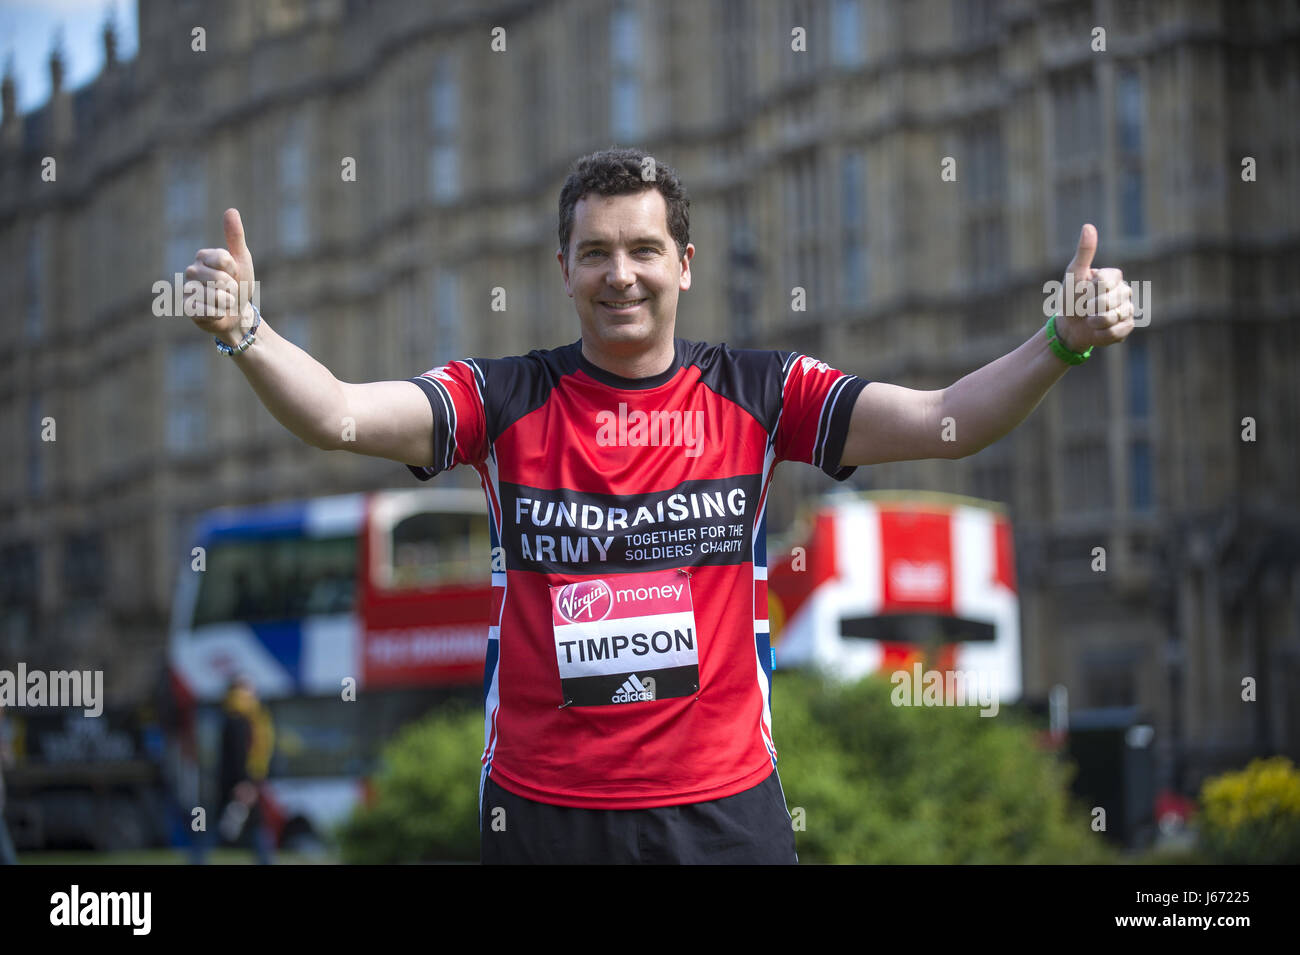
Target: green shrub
426	795
875	783
1253	815
879	783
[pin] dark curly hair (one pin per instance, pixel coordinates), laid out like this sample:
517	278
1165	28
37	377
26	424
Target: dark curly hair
617	172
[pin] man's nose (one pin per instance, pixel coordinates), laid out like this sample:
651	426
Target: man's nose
620	271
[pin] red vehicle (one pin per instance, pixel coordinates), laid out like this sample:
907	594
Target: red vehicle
352	615
878	581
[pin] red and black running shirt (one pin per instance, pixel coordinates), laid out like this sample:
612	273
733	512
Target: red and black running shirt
628	663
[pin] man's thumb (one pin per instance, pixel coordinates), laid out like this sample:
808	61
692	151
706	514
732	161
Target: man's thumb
1082	260
235	234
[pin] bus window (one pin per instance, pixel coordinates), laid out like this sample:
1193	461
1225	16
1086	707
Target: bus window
277	579
434	548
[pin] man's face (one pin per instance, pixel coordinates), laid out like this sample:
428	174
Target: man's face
623	272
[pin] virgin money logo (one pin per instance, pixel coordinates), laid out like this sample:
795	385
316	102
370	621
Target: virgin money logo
585	602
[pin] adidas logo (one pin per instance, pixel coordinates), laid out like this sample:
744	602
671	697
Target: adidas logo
634	690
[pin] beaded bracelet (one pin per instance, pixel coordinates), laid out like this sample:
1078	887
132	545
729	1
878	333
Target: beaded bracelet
233	350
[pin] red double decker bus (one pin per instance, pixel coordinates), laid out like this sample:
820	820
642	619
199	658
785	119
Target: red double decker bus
881	581
352	615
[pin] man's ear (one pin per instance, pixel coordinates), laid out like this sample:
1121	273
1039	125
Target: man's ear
564	271
686	267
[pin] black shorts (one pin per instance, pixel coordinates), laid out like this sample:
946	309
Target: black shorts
750	828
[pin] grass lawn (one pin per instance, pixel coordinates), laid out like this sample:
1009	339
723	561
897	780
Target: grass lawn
167	857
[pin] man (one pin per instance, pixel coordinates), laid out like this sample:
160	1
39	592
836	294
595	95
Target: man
628	670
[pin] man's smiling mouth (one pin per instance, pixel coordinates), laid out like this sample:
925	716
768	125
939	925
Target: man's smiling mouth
624	305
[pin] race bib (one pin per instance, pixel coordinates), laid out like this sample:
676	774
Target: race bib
630	638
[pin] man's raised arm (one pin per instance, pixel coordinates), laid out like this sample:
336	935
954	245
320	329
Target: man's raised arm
387	419
891	423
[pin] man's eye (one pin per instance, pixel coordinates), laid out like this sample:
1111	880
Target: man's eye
647	248
590	252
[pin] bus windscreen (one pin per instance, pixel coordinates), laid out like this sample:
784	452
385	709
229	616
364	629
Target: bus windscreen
277	579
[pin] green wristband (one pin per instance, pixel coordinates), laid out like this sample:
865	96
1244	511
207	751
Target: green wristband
1058	347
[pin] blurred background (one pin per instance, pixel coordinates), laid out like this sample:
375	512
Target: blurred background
918	168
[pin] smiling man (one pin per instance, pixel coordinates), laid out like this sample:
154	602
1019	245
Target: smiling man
624	263
628	670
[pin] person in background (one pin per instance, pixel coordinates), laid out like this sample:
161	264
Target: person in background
247	740
177	755
7	854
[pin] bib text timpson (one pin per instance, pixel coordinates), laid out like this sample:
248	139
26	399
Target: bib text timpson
608	648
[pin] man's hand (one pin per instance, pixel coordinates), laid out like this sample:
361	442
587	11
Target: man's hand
219	285
891	423
1098	303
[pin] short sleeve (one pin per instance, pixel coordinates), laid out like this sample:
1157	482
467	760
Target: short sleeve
455	393
816	408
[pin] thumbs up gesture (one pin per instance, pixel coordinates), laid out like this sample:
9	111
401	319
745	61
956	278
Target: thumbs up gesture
220	285
1098	306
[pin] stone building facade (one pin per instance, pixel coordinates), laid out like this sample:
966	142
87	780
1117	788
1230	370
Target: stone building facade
918	169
